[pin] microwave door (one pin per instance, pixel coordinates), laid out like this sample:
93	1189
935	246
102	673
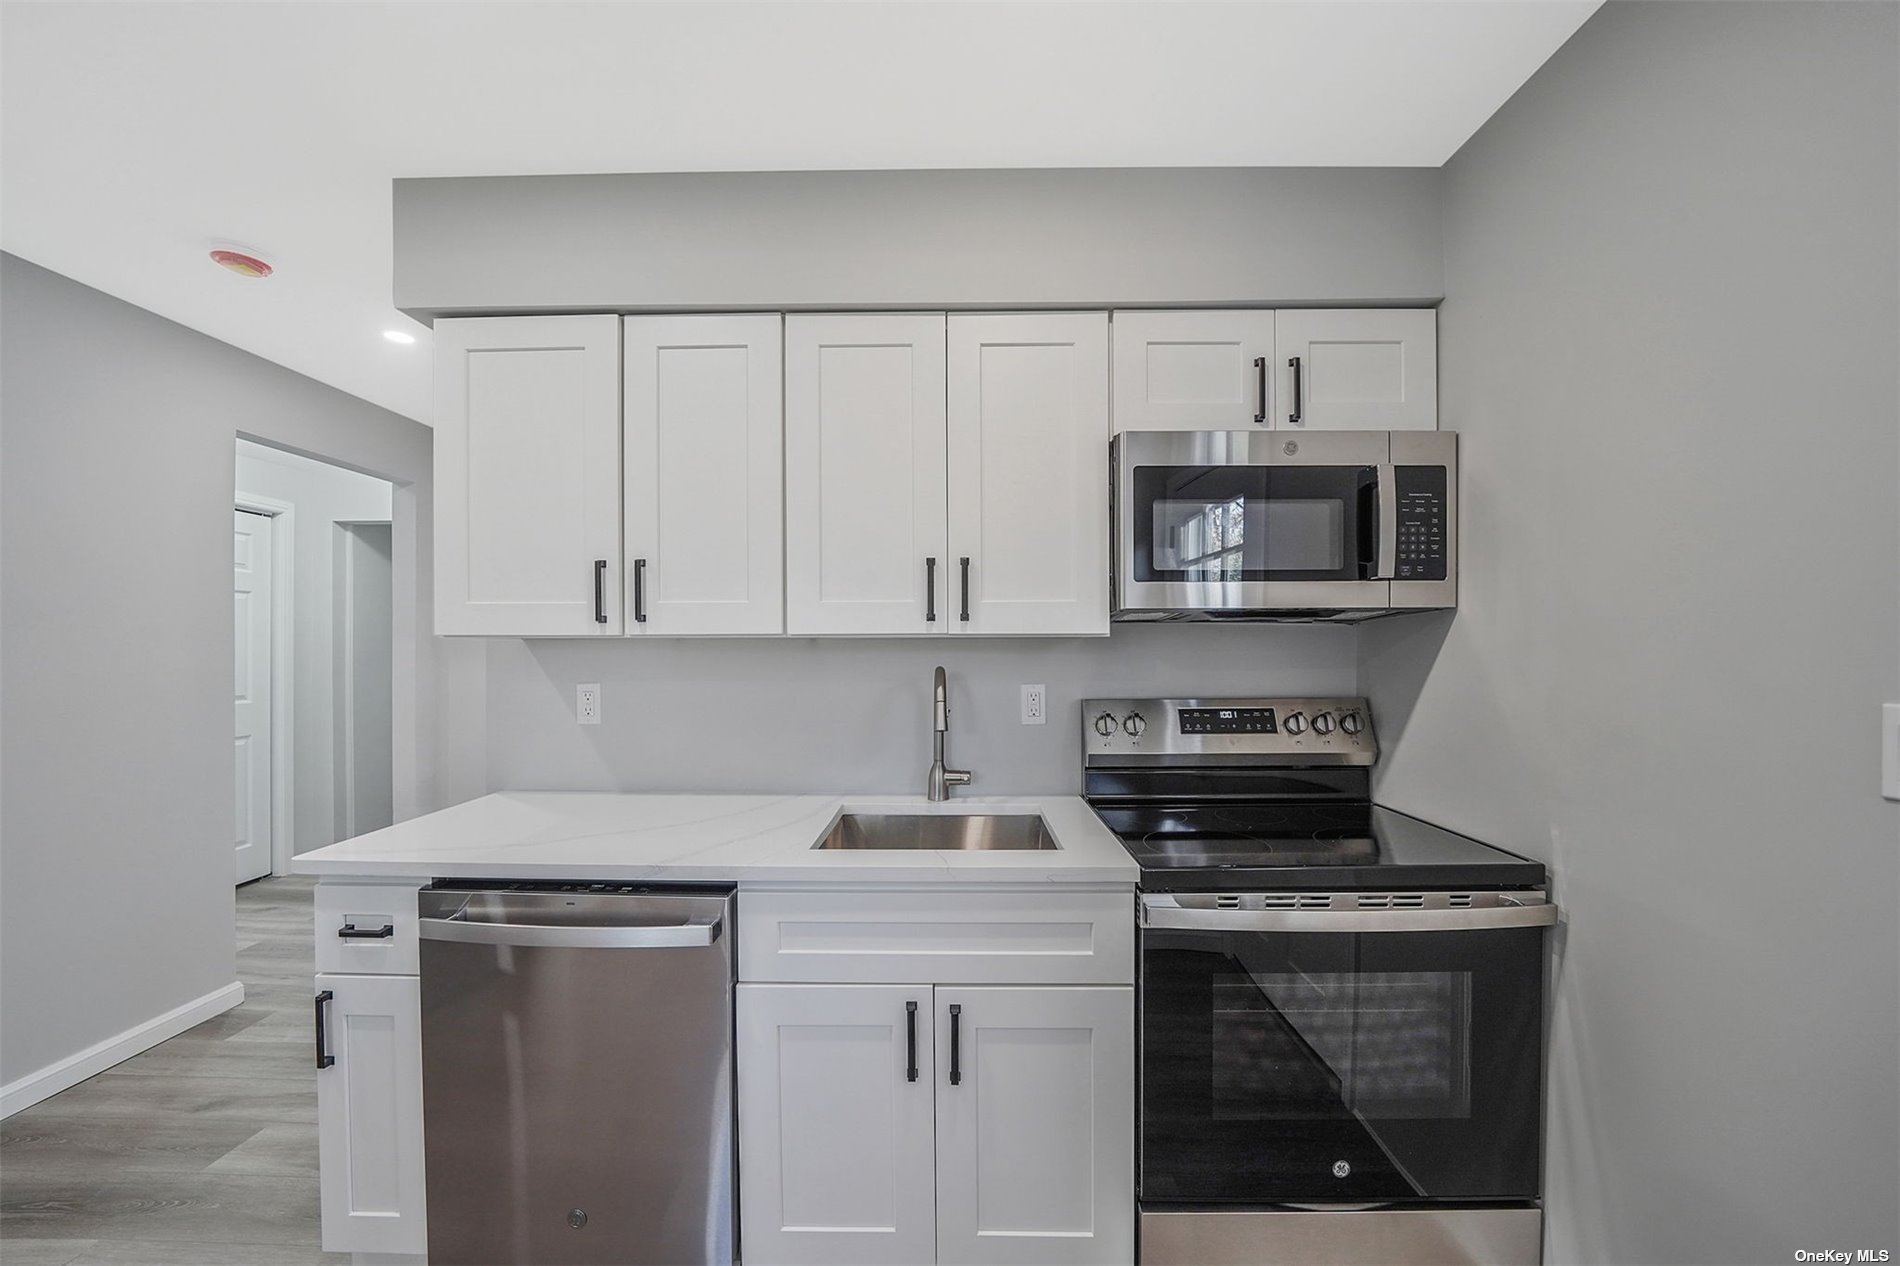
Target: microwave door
1253	537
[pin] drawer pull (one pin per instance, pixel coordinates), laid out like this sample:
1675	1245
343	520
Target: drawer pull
350	932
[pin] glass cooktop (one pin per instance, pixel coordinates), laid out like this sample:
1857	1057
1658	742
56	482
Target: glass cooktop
1313	846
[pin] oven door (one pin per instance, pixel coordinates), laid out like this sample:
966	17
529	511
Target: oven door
1235	522
1396	1060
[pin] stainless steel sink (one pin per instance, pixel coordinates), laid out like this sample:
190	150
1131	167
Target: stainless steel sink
1014	832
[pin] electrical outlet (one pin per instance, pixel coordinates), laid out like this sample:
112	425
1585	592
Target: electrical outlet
1034	711
587	703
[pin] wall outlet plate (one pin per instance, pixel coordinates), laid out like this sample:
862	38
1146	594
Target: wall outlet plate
587	703
1890	750
1035	705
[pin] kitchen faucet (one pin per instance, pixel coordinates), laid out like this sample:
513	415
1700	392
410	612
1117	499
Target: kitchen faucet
941	779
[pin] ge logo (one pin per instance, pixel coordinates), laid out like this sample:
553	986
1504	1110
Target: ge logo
1341	1169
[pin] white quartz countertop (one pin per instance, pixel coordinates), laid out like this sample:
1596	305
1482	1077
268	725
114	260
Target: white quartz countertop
710	838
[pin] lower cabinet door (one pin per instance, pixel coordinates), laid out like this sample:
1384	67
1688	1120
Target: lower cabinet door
1036	1125
369	1113
836	1159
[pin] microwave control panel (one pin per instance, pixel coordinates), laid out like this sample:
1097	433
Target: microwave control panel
1421	496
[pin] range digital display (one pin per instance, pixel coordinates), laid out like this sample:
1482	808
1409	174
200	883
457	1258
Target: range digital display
1228	721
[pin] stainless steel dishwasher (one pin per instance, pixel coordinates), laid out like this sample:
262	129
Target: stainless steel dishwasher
577	1074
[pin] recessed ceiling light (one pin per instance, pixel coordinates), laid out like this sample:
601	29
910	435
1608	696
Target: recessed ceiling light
399	336
241	264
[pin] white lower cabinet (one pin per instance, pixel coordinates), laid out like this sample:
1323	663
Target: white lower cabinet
369	1113
1036	1136
905	1124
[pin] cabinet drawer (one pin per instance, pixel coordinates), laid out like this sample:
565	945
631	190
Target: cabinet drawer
348	917
859	937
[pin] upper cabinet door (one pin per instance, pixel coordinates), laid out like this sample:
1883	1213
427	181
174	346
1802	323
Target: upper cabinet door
864	474
527	476
1193	371
1358	369
704	475
1029	473
1035	1126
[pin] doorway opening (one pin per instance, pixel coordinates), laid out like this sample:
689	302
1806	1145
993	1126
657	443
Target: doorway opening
313	603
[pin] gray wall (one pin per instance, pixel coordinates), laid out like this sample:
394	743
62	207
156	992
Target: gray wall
365	796
115	624
893	239
1669	342
806	714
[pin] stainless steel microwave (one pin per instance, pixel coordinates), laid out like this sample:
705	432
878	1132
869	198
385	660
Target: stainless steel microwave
1272	525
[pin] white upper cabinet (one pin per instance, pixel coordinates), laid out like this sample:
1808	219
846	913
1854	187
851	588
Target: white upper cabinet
1193	371
1028	410
865	474
1358	369
704	434
527	476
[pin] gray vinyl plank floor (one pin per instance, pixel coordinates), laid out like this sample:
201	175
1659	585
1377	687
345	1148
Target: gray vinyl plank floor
199	1152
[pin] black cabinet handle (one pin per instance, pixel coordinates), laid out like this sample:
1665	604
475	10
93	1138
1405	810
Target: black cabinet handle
1260	368
956	1053
910	1021
1299	394
350	932
930	591
600	591
964	565
324	1058
639	591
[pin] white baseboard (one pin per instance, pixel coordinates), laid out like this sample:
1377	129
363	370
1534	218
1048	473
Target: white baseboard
75	1068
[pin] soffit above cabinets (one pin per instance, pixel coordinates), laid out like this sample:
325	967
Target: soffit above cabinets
126	156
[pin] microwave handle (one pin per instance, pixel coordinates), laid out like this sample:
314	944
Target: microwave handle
1387	565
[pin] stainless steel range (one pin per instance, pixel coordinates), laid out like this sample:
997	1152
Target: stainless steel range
1341	1006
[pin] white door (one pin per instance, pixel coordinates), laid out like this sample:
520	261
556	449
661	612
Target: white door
835	1129
252	601
864	474
704	475
1193	371
1028	423
1036	1140
527	476
369	1114
1358	369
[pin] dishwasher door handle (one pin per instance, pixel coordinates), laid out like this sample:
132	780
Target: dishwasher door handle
673	936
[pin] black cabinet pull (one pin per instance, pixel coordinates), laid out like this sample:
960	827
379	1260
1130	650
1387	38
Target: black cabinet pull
639	591
956	1053
1260	368
930	593
350	932
324	1058
910	1022
964	565
1299	394
600	591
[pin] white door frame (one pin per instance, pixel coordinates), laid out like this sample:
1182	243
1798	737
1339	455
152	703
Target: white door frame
282	616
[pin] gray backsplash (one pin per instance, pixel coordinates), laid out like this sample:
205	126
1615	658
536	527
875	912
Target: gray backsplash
808	714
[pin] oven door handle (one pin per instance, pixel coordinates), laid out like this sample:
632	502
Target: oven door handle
1386	567
1164	915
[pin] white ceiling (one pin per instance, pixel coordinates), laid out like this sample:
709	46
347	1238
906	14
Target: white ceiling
138	136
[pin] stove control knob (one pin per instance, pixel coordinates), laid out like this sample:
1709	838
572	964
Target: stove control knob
1349	724
1322	723
1295	723
1105	724
1133	724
